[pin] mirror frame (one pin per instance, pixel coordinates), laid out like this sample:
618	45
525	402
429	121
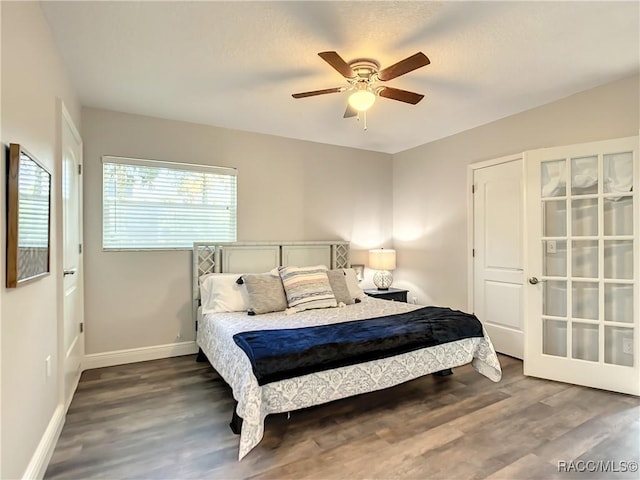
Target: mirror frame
15	262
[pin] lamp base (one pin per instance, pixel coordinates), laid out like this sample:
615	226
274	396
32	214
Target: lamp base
382	279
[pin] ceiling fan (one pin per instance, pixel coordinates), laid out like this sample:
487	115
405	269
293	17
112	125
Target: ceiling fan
364	77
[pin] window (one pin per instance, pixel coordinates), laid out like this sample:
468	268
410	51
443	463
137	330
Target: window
149	204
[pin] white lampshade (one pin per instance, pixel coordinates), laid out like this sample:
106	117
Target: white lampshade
362	99
382	259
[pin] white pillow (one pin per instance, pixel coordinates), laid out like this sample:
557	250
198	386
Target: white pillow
353	285
219	292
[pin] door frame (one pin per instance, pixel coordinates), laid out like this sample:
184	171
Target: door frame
471	168
63	116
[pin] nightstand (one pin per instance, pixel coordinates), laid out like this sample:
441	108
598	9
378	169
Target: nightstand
394	294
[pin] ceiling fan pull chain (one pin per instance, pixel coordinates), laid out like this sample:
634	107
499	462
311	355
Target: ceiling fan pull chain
365	120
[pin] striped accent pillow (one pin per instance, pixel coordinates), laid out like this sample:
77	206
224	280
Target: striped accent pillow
307	287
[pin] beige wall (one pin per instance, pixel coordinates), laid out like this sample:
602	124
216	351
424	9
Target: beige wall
287	190
429	182
32	78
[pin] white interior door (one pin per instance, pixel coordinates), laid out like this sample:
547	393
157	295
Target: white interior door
498	254
73	337
583	261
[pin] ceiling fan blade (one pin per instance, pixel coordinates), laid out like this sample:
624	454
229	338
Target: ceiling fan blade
400	95
317	92
350	112
336	61
404	66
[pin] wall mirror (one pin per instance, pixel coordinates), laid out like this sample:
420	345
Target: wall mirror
28	217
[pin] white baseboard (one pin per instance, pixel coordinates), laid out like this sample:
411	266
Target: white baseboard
41	457
142	354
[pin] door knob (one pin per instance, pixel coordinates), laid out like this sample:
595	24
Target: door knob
70	272
533	281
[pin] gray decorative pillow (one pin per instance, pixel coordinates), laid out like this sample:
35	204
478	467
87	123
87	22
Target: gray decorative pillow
338	282
265	293
354	287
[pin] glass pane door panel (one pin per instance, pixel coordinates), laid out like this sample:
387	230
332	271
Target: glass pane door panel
618	216
554	339
584	344
555	218
584	300
584	259
554	178
554	257
618	172
618	345
618	259
584	175
618	302
584	217
554	298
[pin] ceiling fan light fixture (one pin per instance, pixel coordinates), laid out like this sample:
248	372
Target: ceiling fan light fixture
363	76
362	99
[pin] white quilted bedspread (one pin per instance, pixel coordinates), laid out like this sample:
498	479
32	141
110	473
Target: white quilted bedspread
215	337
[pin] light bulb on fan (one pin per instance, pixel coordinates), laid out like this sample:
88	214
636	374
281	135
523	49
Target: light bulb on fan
363	98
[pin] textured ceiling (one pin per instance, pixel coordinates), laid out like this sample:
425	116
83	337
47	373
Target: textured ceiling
236	64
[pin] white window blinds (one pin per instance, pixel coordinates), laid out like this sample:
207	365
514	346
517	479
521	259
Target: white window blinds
149	204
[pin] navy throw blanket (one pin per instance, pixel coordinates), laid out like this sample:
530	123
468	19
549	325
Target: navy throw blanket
287	353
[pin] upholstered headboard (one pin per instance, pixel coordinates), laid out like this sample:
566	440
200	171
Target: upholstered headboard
258	257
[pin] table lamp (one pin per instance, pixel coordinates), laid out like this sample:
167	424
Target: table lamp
383	260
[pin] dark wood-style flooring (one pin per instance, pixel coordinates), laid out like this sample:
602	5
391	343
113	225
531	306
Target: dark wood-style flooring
168	419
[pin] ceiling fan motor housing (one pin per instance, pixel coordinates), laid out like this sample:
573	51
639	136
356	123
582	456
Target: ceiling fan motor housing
365	69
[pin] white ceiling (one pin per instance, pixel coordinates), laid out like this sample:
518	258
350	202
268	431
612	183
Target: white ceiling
236	64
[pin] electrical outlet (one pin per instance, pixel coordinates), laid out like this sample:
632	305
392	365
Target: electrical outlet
47	365
627	346
551	246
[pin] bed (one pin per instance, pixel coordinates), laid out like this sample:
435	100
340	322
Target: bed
255	400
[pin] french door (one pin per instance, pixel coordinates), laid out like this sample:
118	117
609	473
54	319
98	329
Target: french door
583	261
